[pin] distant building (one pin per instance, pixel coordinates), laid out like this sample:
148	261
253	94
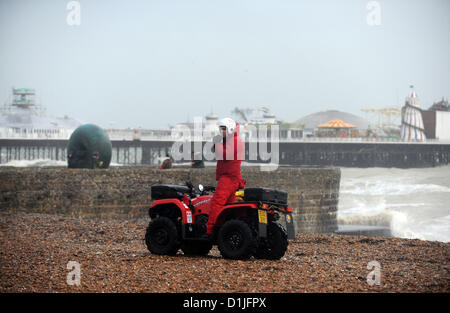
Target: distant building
22	117
211	123
311	121
255	121
440	106
436	120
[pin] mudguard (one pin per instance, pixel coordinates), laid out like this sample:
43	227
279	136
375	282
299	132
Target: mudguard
290	226
186	213
221	214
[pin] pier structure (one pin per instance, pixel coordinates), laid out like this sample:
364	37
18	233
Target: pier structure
349	152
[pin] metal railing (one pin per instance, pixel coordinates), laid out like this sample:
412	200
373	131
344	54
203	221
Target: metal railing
35	133
166	135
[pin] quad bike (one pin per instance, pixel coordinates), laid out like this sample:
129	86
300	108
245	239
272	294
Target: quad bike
245	228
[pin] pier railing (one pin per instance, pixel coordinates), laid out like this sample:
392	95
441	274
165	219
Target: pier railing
35	133
166	135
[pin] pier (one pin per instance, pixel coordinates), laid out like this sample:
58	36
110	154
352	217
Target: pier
349	152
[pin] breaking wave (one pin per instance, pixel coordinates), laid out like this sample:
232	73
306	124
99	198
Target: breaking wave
380	188
413	203
41	163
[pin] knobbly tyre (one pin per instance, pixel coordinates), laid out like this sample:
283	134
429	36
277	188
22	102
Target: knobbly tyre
245	228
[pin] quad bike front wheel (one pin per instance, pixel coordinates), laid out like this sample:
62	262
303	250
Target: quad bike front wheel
161	236
236	240
275	245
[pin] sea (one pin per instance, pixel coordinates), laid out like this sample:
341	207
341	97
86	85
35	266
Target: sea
413	203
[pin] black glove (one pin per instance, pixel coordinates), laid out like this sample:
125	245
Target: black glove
217	139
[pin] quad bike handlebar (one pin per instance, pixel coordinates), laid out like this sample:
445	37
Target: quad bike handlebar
209	188
202	190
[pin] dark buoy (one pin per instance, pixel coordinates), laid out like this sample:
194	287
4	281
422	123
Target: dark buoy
89	147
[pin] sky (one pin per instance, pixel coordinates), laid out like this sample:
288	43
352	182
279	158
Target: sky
155	63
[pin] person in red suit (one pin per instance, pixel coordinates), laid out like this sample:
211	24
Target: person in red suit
229	151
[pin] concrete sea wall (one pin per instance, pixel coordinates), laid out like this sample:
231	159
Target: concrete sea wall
124	192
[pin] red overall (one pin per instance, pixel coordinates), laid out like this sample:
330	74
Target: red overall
228	174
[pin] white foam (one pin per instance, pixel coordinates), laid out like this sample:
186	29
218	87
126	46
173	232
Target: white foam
41	163
34	163
406	226
414	203
403	225
393	188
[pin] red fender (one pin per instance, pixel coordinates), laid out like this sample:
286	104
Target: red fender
239	206
186	213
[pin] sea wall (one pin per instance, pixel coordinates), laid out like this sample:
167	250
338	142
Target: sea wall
124	192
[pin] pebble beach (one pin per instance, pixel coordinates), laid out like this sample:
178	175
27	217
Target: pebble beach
35	250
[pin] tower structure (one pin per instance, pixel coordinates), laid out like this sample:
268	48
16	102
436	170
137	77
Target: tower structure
412	122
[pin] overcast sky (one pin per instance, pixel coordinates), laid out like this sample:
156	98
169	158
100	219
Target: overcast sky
158	62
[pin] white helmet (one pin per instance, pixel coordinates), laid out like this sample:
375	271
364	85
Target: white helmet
229	124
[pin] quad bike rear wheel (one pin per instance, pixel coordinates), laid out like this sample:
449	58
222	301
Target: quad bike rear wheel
236	240
161	236
275	245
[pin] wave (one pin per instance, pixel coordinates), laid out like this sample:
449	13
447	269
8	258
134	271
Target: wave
403	225
383	188
34	163
41	163
410	209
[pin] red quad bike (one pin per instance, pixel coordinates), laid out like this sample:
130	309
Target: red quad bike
248	227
